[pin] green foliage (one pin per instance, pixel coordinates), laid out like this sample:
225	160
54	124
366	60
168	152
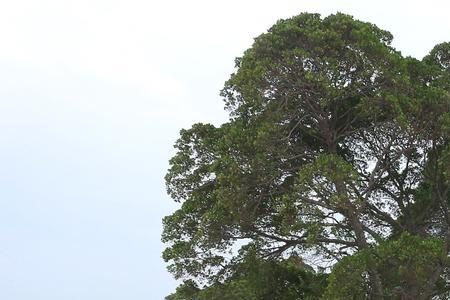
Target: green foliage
336	152
254	279
406	266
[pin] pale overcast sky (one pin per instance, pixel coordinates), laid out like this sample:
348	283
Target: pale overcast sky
92	96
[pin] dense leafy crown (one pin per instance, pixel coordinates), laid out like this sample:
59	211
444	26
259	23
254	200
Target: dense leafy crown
336	156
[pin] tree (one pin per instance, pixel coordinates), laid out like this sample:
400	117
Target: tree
336	152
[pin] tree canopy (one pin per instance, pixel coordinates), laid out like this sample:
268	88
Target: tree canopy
329	181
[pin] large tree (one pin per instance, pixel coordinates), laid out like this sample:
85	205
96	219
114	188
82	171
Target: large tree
336	155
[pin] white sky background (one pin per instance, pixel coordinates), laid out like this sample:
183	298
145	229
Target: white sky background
92	96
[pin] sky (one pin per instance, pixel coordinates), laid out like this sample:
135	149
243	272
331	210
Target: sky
93	94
